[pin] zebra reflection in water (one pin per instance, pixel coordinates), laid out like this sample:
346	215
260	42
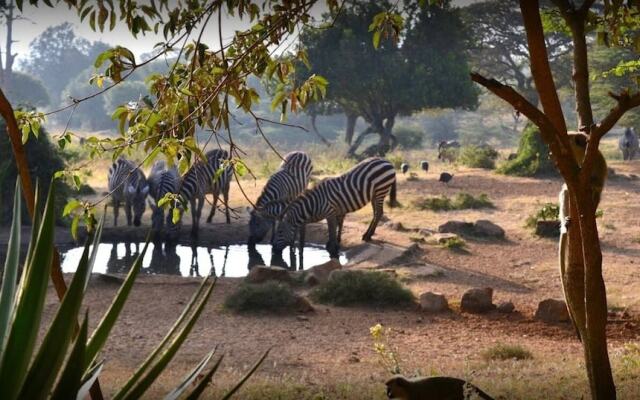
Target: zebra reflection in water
122	265
164	259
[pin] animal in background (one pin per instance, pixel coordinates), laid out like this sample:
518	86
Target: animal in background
200	180
433	388
445	177
628	144
404	168
289	181
163	180
127	184
446	150
367	182
424	165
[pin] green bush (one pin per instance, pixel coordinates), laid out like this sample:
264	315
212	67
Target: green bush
504	352
269	296
478	157
532	157
454	243
409	138
462	201
548	212
367	288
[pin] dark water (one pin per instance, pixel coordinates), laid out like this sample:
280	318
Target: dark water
230	261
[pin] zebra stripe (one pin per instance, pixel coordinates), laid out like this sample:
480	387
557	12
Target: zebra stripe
162	181
368	182
200	180
127	183
283	186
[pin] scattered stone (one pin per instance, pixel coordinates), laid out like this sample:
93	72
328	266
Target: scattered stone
441	238
457	227
477	301
302	318
396	226
550	229
433	302
506	307
486	228
552	310
260	274
354	359
426	231
320	273
108	278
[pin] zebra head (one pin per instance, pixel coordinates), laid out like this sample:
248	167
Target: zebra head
285	235
157	217
138	196
259	225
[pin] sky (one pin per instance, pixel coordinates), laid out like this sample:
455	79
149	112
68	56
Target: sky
37	19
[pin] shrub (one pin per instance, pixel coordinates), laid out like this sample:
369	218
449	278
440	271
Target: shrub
478	157
409	138
504	352
269	296
548	212
462	201
454	243
532	157
367	288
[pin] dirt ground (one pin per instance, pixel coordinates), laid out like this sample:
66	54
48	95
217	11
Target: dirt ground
328	354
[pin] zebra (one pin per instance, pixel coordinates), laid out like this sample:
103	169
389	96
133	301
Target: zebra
200	180
628	144
284	186
369	181
162	181
127	183
447	150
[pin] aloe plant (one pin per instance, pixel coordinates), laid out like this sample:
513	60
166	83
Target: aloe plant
67	362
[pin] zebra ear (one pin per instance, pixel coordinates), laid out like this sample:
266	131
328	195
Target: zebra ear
145	190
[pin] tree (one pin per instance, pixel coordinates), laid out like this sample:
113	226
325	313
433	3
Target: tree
426	69
27	91
58	56
583	282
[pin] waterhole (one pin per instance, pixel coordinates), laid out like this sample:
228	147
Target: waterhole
231	261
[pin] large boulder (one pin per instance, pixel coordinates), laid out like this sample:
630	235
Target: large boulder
485	228
457	227
260	274
320	273
433	302
477	301
552	311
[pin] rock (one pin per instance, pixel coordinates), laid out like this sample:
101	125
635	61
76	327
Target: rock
552	310
303	305
109	278
426	231
396	226
477	301
506	307
354	359
302	318
457	227
486	228
433	302
441	238
549	229
260	274
320	273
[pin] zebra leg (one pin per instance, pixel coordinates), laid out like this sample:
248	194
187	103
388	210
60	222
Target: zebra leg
127	211
116	211
340	224
212	212
195	216
301	244
377	204
273	231
332	245
225	197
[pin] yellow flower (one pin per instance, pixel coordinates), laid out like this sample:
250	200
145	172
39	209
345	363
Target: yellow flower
376	331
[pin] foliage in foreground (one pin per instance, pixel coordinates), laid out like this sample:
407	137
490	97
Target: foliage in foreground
454	243
532	157
366	288
269	296
548	212
68	361
462	201
504	352
478	157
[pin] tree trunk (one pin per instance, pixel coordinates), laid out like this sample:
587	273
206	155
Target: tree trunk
351	127
9	56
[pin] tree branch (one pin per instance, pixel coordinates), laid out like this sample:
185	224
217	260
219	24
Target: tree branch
625	103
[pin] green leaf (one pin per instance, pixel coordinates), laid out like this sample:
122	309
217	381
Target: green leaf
28	312
202	385
25	133
48	361
74	227
71	375
191	376
376	39
175	215
101	334
11	265
70	207
246	377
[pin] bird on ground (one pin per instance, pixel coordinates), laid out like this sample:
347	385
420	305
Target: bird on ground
445	177
404	168
424	165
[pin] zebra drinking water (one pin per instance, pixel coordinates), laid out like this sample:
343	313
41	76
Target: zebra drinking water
628	144
200	180
127	183
284	186
162	180
369	181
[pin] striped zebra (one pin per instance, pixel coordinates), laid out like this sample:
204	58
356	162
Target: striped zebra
369	181
200	180
283	186
162	180
127	183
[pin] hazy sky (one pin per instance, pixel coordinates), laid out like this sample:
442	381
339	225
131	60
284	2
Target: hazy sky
38	19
